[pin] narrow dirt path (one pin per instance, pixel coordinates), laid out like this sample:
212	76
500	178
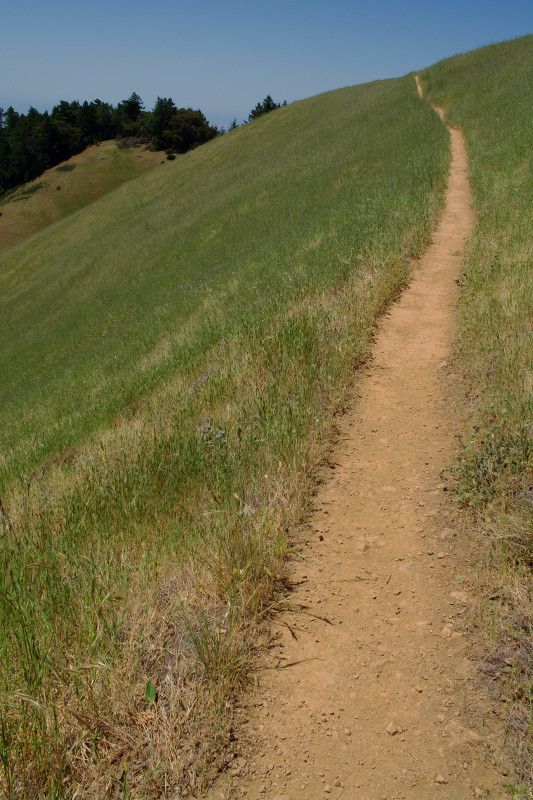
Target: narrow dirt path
368	690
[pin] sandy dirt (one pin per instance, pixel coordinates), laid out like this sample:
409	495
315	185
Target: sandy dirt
368	689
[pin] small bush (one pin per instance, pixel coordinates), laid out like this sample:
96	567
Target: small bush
25	194
125	142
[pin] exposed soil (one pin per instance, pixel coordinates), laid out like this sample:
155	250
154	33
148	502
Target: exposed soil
369	689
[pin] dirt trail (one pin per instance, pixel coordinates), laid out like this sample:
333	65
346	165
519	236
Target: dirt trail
368	690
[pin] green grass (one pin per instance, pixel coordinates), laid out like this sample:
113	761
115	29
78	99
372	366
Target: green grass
172	361
97	312
487	93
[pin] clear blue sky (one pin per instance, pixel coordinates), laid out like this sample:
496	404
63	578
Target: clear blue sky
222	56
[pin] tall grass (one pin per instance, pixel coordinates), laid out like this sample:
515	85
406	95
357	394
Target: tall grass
107	305
214	313
487	93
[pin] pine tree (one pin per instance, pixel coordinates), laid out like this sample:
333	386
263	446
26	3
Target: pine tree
263	108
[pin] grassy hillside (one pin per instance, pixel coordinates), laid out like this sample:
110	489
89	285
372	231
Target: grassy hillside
487	93
189	338
99	310
68	187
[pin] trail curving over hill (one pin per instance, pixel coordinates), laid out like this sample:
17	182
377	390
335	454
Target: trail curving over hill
368	689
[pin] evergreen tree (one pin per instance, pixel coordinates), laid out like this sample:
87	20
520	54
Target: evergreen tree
264	108
158	124
133	107
104	120
128	116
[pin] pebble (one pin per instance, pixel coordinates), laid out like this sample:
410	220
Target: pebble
473	737
461	597
409	567
393	729
440	779
327	788
446	632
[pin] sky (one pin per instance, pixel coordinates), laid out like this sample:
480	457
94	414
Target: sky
225	56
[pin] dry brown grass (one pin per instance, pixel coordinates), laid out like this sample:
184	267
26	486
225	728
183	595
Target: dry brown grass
82	179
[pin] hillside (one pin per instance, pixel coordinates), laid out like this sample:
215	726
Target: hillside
173	357
70	187
485	93
95	309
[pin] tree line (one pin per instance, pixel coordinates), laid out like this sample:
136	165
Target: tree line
33	142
